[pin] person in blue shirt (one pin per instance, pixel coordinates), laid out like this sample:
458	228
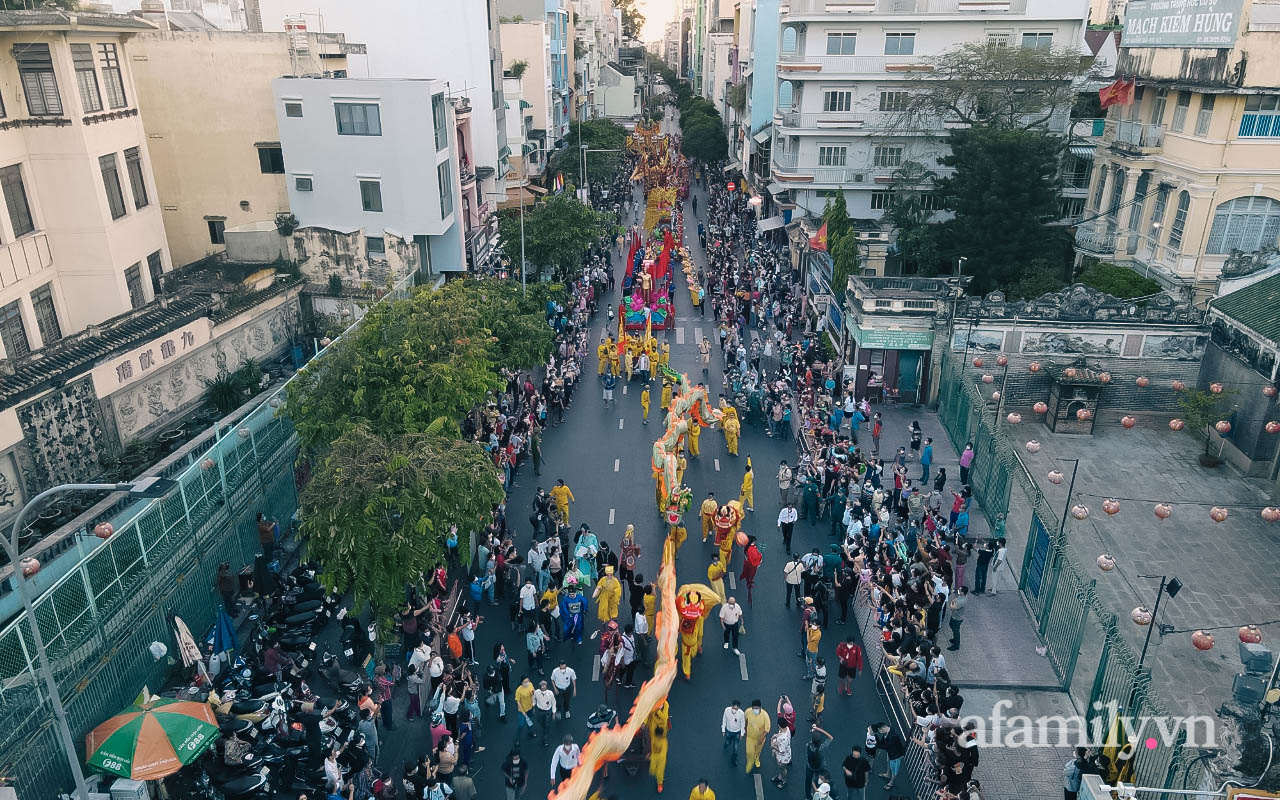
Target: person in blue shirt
926	459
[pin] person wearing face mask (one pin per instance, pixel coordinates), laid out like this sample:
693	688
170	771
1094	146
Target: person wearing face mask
515	774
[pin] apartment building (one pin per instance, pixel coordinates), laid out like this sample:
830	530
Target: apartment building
671	45
82	239
844	74
1187	173
537	33
598	35
718	55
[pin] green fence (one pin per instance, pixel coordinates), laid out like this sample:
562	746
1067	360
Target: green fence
966	420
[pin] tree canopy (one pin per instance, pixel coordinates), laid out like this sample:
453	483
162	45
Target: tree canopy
842	243
632	18
1118	281
598	135
916	239
702	133
557	231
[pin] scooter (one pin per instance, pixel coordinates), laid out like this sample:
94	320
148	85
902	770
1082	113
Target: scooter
348	683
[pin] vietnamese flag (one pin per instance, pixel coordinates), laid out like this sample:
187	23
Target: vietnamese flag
819	240
1120	92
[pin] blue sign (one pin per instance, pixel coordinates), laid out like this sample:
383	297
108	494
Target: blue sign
1039	544
837	319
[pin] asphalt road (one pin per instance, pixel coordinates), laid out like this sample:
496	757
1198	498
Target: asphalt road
603	455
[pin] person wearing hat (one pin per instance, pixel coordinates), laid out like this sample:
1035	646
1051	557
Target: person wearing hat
644	404
604	354
607	595
747	496
708	511
563	496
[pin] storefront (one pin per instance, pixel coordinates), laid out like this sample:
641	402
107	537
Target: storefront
898	359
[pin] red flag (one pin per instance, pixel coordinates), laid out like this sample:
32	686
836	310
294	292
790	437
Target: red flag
819	240
1120	92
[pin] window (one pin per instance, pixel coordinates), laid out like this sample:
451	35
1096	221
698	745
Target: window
893	101
371	195
302	184
1139	202
879	200
1158	105
998	39
111	75
111	182
440	121
1180	109
358	119
271	160
137	182
12	332
46	316
1179	222
155	267
216	229
887	156
293	108
832	156
1206	114
15	198
1261	115
837	101
899	44
1037	41
1158	210
786	96
444	175
133	280
375	246
35	68
86	77
841	44
1248	224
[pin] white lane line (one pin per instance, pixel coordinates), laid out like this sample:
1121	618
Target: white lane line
617	464
619	423
742	664
611	516
680	334
624	388
717	464
759	783
697	334
733	582
595	668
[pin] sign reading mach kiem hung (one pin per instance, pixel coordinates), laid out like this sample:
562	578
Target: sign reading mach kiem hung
1181	23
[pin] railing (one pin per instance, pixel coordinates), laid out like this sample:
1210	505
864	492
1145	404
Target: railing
1093	239
852	65
859	120
23	258
1131	134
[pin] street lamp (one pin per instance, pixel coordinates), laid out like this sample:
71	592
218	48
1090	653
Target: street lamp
149	487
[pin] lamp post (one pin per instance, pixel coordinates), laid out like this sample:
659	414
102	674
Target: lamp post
143	487
1169	586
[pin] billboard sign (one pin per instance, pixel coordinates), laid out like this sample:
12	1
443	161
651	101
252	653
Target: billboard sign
1181	23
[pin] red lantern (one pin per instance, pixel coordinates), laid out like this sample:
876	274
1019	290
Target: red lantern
1176	424
30	566
1250	634
1128	421
1069	372
1001	360
1141	615
1271	514
1112	507
1273	427
1056	477
1178	386
1034	366
1143	382
1218	514
1163	510
103	530
1202	640
978	362
1080	512
988	378
1041	407
1216	388
207	464
995	397
1084	415
1032	446
1222	426
741	539
244	433
1106	562
1269	391
1014	418
1104	377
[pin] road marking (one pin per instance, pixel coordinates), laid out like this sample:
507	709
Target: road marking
697	334
742	665
595	668
611	516
624	388
717	464
617	464
733	582
759	783
680	335
619	423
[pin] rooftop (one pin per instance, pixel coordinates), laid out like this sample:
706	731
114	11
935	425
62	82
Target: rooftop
61	19
906	288
1254	307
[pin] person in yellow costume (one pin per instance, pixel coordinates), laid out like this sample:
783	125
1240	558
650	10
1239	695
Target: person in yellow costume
666	395
665	358
708	512
702	791
695	430
659	717
715	575
651	607
731	430
607	594
644	403
748	494
692	606
658	754
563	497
682	464
758	726
604	354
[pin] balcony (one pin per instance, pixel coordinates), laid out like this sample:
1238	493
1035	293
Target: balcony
1096	240
800	65
790	164
23	258
1134	138
854	121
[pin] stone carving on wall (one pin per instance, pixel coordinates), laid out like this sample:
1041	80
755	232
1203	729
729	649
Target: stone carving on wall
1240	344
1180	347
1080	303
65	434
980	341
1094	344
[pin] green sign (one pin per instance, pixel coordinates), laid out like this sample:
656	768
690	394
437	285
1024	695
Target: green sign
895	340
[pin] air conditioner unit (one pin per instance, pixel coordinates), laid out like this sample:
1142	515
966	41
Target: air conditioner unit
859	177
126	789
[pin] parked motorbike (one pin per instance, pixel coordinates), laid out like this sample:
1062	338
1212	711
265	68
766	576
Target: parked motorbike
348	683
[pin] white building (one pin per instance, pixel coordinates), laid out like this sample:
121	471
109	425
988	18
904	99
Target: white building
375	156
598	30
844	75
225	15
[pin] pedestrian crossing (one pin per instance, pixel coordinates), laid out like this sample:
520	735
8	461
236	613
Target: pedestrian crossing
680	334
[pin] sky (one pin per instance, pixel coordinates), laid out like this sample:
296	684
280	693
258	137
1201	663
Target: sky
657	13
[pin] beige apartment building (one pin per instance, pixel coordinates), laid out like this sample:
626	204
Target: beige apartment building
1187	177
81	236
211	125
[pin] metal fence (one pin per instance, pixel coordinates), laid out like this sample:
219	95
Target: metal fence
1093	661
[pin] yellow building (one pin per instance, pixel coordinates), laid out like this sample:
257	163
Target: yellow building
1187	176
211	126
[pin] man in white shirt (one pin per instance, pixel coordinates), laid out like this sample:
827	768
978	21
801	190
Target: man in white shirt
784	485
563	760
793	574
528	600
787	523
734	726
544	708
565	682
731	622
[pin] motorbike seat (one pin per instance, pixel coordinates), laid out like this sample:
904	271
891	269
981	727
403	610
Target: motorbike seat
244	786
247	707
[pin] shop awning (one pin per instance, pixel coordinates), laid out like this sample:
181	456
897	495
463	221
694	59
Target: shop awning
770	224
1082	150
776	188
764	134
732	166
517	195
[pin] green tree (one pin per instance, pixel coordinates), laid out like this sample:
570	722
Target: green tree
1040	277
378	509
632	18
557	232
915	238
1118	281
1202	409
605	137
704	139
842	243
1003	191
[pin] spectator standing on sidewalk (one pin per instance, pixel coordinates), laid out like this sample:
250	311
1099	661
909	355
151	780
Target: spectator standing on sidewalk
959	599
856	771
